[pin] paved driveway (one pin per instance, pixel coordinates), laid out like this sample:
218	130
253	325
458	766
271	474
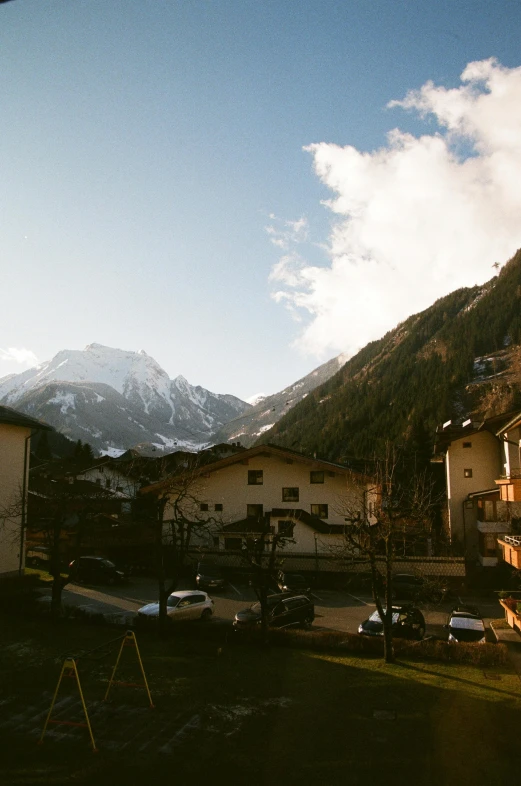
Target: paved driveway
334	610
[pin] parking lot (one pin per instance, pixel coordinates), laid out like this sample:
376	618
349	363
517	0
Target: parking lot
334	609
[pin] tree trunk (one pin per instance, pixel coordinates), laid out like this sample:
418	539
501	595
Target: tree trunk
57	581
388	623
265	632
163	617
388	643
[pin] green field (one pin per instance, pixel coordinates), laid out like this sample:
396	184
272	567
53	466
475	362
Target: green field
245	715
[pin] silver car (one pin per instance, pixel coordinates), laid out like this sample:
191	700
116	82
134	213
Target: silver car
183	605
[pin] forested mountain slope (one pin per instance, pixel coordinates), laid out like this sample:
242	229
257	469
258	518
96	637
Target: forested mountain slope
459	357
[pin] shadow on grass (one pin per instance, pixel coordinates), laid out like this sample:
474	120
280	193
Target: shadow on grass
454	678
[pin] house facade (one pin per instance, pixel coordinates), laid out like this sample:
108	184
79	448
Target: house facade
483	476
308	499
15	437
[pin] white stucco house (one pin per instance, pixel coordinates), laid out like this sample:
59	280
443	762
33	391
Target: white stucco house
15	437
483	476
268	486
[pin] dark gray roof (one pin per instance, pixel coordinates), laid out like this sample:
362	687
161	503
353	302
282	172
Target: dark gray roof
253	525
14	418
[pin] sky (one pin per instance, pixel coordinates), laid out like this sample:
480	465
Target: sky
247	189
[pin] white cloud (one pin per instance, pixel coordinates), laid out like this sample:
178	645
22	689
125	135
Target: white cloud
19	355
283	234
414	220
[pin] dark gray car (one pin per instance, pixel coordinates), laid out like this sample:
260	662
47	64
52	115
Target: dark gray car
285	611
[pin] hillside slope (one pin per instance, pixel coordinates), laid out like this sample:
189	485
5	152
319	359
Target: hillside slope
249	425
459	357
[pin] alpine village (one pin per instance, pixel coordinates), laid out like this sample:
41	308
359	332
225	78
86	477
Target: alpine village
365	519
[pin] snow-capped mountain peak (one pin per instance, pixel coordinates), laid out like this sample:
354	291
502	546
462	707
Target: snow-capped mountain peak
178	410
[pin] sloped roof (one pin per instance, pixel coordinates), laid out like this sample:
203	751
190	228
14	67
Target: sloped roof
12	417
513	422
251	524
261	450
494	425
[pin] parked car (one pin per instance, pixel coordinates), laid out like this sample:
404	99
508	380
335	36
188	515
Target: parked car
181	606
285	611
293	582
209	576
465	624
95	570
38	556
407	586
408	623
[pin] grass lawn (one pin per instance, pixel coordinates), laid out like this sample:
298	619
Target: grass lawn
263	717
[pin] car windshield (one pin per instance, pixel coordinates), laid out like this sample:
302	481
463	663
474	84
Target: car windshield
466	623
172	601
375	617
107	563
467	634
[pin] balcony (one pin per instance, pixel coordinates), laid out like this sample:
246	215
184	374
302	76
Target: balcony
512	608
511	545
510	487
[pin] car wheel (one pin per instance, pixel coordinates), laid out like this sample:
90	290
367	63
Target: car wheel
307	623
207	613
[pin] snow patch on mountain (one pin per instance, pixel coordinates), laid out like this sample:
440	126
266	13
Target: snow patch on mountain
125	396
65	400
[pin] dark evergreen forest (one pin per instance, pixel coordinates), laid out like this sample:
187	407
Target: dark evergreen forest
417	376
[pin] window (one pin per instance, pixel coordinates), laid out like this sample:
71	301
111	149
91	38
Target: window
467	473
255	477
218	507
254	511
193	599
489	510
490	544
294	603
467	444
290	495
203	506
216	541
316	476
285	527
107	482
319	510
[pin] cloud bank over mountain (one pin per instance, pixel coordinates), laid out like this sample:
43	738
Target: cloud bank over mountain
415	219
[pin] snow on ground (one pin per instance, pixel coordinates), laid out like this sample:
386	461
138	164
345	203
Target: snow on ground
263	429
256	399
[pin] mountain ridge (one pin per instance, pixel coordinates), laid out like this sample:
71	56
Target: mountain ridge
163	412
432	367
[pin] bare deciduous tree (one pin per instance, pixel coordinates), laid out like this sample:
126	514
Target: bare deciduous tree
395	513
181	523
261	552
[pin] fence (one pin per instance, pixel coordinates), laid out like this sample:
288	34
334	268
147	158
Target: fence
324	564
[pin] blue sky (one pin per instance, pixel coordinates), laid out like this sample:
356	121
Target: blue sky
157	194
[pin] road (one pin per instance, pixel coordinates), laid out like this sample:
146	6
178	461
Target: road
334	610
